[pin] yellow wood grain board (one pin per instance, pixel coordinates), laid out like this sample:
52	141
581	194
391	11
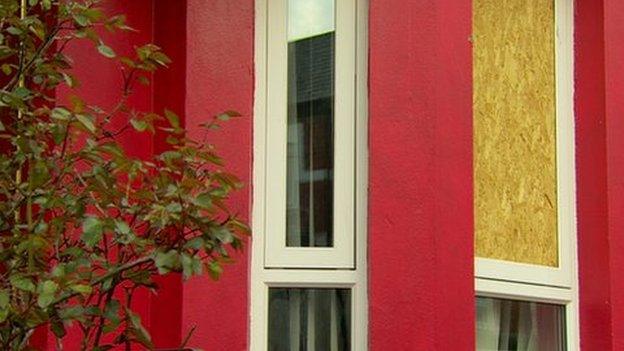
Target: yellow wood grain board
515	130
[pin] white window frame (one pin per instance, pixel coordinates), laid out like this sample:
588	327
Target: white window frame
275	265
277	253
557	285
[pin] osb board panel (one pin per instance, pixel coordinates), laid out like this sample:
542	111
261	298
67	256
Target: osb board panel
514	131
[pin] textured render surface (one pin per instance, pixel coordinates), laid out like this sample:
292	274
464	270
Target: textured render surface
599	97
514	131
220	77
100	84
591	162
421	282
614	83
169	18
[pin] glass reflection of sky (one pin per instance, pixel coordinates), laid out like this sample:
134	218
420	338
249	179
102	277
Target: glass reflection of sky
308	18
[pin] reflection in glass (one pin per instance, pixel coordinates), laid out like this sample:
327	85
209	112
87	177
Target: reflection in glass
309	319
311	32
519	326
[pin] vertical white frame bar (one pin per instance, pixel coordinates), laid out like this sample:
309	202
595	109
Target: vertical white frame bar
342	254
263	277
557	285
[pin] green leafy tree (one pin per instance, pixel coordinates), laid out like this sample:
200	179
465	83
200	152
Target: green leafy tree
83	225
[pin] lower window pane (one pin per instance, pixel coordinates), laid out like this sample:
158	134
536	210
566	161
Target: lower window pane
516	325
309	319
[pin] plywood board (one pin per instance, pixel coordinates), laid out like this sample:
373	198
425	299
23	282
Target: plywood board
515	130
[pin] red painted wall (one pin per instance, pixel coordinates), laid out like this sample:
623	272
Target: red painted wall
420	217
220	77
421	291
614	108
169	27
600	172
591	163
100	84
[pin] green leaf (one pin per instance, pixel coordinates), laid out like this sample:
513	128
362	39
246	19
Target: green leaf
58	328
227	115
92	229
87	122
143	80
138	125
195	243
70	80
203	200
81	19
166	261
106	50
4	305
111	313
47	289
22	92
174	207
71	313
81	289
22	283
4	299
122	227
14	31
61	113
214	270
140	333
125	233
173	119
191	265
6	69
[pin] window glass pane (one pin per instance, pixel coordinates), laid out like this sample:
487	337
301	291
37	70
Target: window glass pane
309	319
516	325
310	158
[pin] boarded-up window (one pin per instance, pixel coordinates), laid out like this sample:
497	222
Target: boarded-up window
515	131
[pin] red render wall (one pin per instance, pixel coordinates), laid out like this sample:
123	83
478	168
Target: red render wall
220	77
600	171
614	108
421	292
169	26
592	182
100	84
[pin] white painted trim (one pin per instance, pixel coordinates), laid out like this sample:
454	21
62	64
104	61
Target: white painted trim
508	280
523	292
263	277
277	253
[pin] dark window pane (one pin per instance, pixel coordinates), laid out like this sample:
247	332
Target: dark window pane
507	325
310	161
309	319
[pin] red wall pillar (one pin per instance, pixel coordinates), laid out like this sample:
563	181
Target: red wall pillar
600	171
614	108
591	164
220	66
169	92
421	291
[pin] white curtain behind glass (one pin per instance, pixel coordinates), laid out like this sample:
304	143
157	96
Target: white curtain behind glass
309	320
506	325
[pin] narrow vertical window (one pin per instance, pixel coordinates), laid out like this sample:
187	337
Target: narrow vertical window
311	39
525	230
308	284
311	134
